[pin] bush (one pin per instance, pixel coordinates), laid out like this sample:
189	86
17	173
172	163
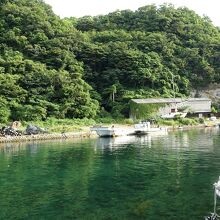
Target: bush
200	120
30	113
187	121
59	125
214	110
107	120
167	122
103	114
4	114
128	121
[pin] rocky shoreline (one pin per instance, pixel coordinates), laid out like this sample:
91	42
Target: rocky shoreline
73	135
53	136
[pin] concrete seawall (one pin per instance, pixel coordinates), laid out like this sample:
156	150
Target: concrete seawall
53	136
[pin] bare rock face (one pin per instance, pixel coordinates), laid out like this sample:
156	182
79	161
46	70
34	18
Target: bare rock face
212	92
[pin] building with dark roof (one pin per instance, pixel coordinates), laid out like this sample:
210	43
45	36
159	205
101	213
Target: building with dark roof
144	108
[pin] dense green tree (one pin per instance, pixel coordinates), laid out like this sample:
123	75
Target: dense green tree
68	67
39	74
142	50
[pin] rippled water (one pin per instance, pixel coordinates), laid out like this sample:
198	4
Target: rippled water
148	177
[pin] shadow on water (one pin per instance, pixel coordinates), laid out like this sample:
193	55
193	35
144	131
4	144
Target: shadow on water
146	177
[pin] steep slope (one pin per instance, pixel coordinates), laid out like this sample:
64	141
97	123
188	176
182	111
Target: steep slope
39	74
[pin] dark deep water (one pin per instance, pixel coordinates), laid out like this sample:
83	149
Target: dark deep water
148	177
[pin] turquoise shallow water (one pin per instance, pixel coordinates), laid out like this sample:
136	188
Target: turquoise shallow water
150	177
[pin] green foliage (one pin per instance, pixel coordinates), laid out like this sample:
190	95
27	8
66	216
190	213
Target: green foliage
216	106
187	121
128	121
4	110
179	122
61	125
214	110
106	120
4	114
143	50
67	68
117	110
201	120
39	74
183	108
144	111
168	122
30	113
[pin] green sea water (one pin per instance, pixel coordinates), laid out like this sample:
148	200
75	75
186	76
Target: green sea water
149	177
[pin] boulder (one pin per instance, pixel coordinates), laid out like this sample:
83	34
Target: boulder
33	129
9	131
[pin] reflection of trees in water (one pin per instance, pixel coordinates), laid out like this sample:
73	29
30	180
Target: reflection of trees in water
197	139
32	146
139	179
116	143
51	182
13	148
144	182
179	140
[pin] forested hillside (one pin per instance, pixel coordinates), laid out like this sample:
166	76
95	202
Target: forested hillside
69	68
140	54
39	74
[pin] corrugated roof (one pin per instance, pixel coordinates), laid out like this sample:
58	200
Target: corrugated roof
167	100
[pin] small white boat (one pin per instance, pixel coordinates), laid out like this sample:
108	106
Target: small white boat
145	128
111	131
140	128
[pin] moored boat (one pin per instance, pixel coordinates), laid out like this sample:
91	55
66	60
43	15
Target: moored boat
104	131
138	129
145	128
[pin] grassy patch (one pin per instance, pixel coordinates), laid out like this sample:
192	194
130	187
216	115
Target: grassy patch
61	125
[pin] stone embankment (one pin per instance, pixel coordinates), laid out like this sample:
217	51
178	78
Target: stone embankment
86	133
53	136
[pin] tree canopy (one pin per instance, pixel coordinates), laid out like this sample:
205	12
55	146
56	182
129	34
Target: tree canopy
150	51
67	68
39	74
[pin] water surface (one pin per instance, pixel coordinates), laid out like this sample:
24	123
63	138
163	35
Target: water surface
148	177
